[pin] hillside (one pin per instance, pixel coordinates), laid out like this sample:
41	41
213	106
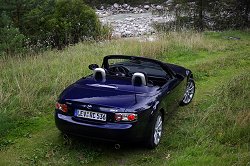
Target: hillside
213	130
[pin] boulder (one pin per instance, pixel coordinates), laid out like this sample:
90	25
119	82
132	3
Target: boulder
127	33
146	7
129	19
169	2
116	5
131	25
159	7
125	5
117	35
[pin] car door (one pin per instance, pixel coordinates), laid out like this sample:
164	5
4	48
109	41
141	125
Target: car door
172	92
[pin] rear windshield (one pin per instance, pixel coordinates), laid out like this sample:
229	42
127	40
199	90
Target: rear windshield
152	69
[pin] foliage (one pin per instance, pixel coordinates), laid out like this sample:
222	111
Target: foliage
11	40
212	15
35	23
106	32
62	23
59	23
52	23
76	20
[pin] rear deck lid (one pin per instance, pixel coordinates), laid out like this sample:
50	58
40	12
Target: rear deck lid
102	95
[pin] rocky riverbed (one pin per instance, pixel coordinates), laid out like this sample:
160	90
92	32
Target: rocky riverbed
127	21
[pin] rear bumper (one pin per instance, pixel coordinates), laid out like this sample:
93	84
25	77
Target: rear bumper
116	132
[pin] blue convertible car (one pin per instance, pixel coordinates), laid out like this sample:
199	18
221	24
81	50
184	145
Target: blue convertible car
126	99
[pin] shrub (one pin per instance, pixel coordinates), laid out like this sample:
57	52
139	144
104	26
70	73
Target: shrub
106	32
75	21
11	40
60	23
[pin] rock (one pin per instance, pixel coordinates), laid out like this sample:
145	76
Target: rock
158	7
127	33
142	30
169	2
102	8
125	5
131	24
177	6
129	19
146	7
117	35
116	5
122	11
233	38
191	3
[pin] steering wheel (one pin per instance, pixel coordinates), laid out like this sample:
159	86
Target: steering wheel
119	71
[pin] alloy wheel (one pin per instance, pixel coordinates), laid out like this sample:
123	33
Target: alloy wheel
158	130
189	94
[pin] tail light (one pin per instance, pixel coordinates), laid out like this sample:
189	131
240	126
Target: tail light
125	117
62	107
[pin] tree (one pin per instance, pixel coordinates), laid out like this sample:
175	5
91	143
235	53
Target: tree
11	40
75	21
16	10
63	22
214	15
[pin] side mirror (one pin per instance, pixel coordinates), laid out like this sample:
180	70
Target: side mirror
93	66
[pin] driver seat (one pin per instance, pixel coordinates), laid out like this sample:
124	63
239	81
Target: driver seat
99	74
139	79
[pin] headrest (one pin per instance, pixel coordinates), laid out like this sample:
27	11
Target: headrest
139	79
99	74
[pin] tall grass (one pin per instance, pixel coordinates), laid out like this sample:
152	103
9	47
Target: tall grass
217	118
32	79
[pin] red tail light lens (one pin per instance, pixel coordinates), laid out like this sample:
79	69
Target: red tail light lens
131	117
125	117
58	105
62	107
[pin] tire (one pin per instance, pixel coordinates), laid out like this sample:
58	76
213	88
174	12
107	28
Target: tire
155	132
189	93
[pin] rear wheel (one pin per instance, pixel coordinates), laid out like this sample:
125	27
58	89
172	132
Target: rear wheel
156	132
189	93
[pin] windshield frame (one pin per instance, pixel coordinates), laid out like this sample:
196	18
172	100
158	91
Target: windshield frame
164	67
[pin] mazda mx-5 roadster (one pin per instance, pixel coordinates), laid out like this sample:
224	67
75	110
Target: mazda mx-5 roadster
127	99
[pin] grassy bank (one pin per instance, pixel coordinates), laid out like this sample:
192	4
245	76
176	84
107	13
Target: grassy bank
213	130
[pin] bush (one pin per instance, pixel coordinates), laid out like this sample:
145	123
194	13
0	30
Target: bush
73	21
60	23
11	40
106	32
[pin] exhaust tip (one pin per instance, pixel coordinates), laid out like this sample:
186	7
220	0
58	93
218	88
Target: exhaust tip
117	146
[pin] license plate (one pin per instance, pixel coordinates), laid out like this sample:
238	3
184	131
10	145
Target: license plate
90	115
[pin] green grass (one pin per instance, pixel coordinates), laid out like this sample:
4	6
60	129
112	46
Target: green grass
213	130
